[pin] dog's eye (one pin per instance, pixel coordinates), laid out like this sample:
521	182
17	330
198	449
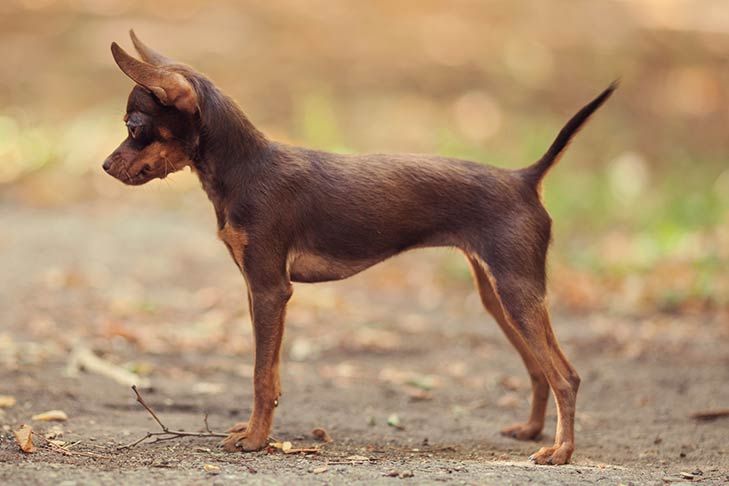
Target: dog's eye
134	129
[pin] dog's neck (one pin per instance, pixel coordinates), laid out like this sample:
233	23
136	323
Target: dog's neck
229	147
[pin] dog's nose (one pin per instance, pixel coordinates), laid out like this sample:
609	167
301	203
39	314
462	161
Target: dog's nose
107	165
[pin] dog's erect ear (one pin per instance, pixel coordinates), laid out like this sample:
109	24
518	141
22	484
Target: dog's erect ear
170	87
148	55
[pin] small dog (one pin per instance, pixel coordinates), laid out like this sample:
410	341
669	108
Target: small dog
290	214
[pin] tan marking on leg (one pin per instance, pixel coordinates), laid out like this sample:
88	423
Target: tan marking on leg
236	241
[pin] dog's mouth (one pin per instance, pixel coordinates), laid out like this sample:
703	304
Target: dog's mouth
145	174
135	178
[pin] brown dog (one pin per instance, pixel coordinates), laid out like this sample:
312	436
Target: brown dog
290	214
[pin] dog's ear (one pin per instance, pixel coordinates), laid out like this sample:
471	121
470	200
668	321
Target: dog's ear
147	54
171	88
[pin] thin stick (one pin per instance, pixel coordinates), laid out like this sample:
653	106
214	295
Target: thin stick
136	442
166	433
350	463
707	415
65	451
151	412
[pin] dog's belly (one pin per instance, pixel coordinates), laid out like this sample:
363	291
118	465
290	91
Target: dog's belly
311	268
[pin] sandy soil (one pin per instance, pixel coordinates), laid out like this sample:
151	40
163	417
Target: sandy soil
152	290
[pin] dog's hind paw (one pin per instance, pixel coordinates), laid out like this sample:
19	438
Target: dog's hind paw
527	431
556	455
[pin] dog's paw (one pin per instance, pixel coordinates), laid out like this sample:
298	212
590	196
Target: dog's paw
240	439
555	455
527	431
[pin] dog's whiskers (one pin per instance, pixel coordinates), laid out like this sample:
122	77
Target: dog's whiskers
167	172
126	171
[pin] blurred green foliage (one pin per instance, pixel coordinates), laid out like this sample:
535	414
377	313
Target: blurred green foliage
643	191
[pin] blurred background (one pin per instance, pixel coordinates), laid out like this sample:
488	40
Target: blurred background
639	267
640	202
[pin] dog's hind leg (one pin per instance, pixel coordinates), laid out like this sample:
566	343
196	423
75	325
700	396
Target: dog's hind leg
517	266
526	310
532	429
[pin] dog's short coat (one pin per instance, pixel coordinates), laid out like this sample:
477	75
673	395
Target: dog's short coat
290	214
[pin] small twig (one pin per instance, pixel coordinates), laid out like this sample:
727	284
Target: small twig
65	451
136	442
72	444
166	433
428	450
82	358
151	412
707	415
350	463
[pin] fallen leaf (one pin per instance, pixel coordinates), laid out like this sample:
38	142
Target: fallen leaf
322	435
399	474
425	383
7	401
211	469
394	421
24	438
51	416
418	394
357	458
287	448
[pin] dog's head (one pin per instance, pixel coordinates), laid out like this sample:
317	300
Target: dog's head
161	115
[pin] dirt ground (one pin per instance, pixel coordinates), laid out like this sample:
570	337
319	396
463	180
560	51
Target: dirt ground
148	287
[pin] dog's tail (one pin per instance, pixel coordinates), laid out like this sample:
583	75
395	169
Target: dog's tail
536	172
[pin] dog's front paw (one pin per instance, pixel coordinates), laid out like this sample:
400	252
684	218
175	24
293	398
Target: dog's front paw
556	455
241	439
527	431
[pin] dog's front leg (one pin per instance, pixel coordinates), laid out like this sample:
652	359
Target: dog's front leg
268	297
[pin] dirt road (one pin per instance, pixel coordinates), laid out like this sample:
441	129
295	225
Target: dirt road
405	343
